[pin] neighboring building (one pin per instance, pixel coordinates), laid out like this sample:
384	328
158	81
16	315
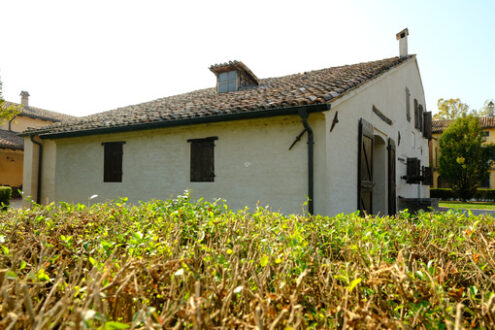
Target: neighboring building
488	126
12	145
340	136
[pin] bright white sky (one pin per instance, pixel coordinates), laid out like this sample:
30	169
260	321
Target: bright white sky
82	57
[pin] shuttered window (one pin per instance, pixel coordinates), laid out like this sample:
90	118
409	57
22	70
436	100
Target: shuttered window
413	170
408	105
202	159
112	171
365	167
427	125
416	110
392	199
420	117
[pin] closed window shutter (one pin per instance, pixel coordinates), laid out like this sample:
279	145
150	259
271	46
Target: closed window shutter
427	178
365	167
392	200
416	119
408	106
413	170
202	160
427	123
420	117
113	162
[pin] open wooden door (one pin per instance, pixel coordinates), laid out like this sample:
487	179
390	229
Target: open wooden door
365	167
392	200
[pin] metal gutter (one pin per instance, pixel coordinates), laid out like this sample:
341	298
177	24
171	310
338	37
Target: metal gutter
40	158
304	116
183	122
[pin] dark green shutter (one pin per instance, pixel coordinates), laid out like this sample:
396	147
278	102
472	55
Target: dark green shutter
416	117
427	123
202	160
113	162
365	167
392	200
413	170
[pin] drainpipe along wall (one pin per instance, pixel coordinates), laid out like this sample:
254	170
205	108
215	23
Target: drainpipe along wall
304	117
40	159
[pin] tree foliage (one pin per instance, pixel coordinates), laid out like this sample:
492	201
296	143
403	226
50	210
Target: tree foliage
464	159
7	111
451	109
485	110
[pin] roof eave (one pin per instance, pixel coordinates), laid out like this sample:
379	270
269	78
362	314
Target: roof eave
319	107
16	148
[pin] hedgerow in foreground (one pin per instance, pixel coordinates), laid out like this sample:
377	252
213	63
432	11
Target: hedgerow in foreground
183	264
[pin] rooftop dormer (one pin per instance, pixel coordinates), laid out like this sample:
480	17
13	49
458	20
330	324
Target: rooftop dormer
234	76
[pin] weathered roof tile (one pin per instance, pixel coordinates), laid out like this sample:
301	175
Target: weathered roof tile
10	140
438	126
314	87
38	113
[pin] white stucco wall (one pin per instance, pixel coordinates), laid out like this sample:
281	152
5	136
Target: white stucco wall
252	163
387	93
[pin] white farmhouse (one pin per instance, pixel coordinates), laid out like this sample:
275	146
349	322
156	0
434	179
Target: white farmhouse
341	139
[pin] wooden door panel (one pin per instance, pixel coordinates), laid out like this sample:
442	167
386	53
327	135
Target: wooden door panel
365	167
392	200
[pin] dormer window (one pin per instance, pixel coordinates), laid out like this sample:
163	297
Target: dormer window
227	82
234	76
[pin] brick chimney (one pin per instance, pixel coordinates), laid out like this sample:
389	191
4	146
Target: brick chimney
24	98
402	37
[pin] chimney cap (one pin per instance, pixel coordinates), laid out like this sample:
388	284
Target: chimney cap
402	34
24	93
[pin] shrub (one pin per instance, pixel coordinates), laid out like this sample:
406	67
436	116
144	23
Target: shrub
482	194
167	264
442	193
5	195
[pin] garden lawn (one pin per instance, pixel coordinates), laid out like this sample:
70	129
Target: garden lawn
468	205
179	264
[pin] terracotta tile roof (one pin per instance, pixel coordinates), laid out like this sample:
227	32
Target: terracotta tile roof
438	126
314	87
38	113
10	140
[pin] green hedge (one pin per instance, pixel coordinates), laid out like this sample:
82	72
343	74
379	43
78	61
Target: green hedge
201	264
482	194
442	193
5	195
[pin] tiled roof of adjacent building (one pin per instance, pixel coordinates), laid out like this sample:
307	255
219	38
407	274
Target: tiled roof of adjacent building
438	126
314	87
10	140
38	113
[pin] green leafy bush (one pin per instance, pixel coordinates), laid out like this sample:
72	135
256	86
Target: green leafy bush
5	195
176	263
442	193
482	194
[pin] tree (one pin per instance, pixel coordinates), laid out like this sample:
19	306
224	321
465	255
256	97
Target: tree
451	109
7	111
485	110
464	160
